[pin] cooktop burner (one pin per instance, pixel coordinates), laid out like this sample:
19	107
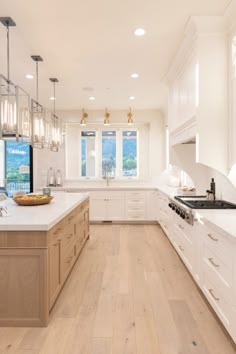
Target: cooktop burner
198	202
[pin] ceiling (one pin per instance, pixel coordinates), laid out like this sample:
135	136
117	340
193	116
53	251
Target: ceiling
90	47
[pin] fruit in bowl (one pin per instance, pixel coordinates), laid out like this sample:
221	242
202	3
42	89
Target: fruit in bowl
33	199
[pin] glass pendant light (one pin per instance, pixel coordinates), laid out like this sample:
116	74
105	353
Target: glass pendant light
130	117
15	121
56	122
38	113
84	117
107	120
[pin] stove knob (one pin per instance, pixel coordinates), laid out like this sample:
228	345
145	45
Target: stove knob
173	207
170	205
183	216
178	212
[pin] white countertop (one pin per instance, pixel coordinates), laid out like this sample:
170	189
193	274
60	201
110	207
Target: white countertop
222	219
40	217
90	188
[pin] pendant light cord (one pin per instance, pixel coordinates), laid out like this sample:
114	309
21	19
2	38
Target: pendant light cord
8	53
37	81
54	95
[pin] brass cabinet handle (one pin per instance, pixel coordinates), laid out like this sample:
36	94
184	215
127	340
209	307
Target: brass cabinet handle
70	235
181	248
212	294
212	238
56	244
71	217
181	227
213	263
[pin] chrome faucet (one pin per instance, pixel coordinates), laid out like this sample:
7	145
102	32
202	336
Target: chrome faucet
107	176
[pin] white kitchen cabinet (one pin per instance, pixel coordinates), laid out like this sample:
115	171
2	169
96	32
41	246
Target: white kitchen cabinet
152	205
209	255
107	206
198	84
135	202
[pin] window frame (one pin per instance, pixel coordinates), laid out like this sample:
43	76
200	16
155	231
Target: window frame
98	152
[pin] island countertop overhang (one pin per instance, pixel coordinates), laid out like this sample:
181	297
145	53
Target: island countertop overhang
40	217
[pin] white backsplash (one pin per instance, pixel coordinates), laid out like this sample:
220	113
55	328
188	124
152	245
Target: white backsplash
43	160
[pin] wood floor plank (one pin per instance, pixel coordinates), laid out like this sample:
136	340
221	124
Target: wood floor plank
166	328
124	339
33	339
189	334
56	341
103	325
10	338
101	346
147	342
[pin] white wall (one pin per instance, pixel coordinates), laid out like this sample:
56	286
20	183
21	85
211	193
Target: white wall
152	147
43	160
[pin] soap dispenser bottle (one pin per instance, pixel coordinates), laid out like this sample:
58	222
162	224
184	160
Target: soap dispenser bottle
51	177
58	178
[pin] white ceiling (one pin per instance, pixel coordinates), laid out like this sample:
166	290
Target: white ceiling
91	44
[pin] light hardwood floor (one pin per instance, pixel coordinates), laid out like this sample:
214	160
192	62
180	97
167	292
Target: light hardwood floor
128	293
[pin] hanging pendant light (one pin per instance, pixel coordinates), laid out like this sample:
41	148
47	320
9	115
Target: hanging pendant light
84	117
56	122
15	119
107	120
38	112
130	117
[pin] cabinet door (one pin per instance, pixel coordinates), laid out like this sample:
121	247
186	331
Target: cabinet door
98	208
152	206
54	271
115	209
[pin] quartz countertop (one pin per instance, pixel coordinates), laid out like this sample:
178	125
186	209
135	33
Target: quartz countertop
40	217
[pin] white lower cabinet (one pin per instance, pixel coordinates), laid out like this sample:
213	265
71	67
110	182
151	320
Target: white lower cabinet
107	206
209	255
134	205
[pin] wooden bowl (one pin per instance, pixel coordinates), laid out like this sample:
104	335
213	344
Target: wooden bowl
35	200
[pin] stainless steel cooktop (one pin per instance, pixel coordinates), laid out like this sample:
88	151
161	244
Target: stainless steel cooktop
200	202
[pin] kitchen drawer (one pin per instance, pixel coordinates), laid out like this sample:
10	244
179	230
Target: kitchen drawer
185	251
136	195
136	215
135	207
67	261
68	239
219	245
217	299
216	265
184	231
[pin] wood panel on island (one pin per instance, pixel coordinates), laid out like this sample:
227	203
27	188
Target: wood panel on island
34	266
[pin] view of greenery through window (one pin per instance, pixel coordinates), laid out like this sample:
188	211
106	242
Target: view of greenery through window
110	140
17	166
109	152
129	149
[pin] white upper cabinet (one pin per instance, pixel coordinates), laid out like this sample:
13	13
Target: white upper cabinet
198	87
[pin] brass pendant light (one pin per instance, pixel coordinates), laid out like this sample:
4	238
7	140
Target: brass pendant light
130	117
107	120
84	117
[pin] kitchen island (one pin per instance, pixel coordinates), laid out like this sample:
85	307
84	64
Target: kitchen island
38	247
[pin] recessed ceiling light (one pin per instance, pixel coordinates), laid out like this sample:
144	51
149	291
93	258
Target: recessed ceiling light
139	31
132	98
134	75
29	76
52	98
92	98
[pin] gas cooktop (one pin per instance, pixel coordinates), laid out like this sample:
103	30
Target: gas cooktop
200	202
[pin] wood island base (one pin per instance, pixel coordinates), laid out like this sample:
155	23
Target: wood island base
34	266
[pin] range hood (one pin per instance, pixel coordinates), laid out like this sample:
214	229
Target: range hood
185	133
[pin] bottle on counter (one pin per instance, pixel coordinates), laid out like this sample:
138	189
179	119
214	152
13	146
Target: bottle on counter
58	178
51	177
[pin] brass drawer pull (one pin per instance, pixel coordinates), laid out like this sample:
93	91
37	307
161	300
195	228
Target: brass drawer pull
181	227
70	235
56	244
213	263
71	217
181	248
212	294
212	238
